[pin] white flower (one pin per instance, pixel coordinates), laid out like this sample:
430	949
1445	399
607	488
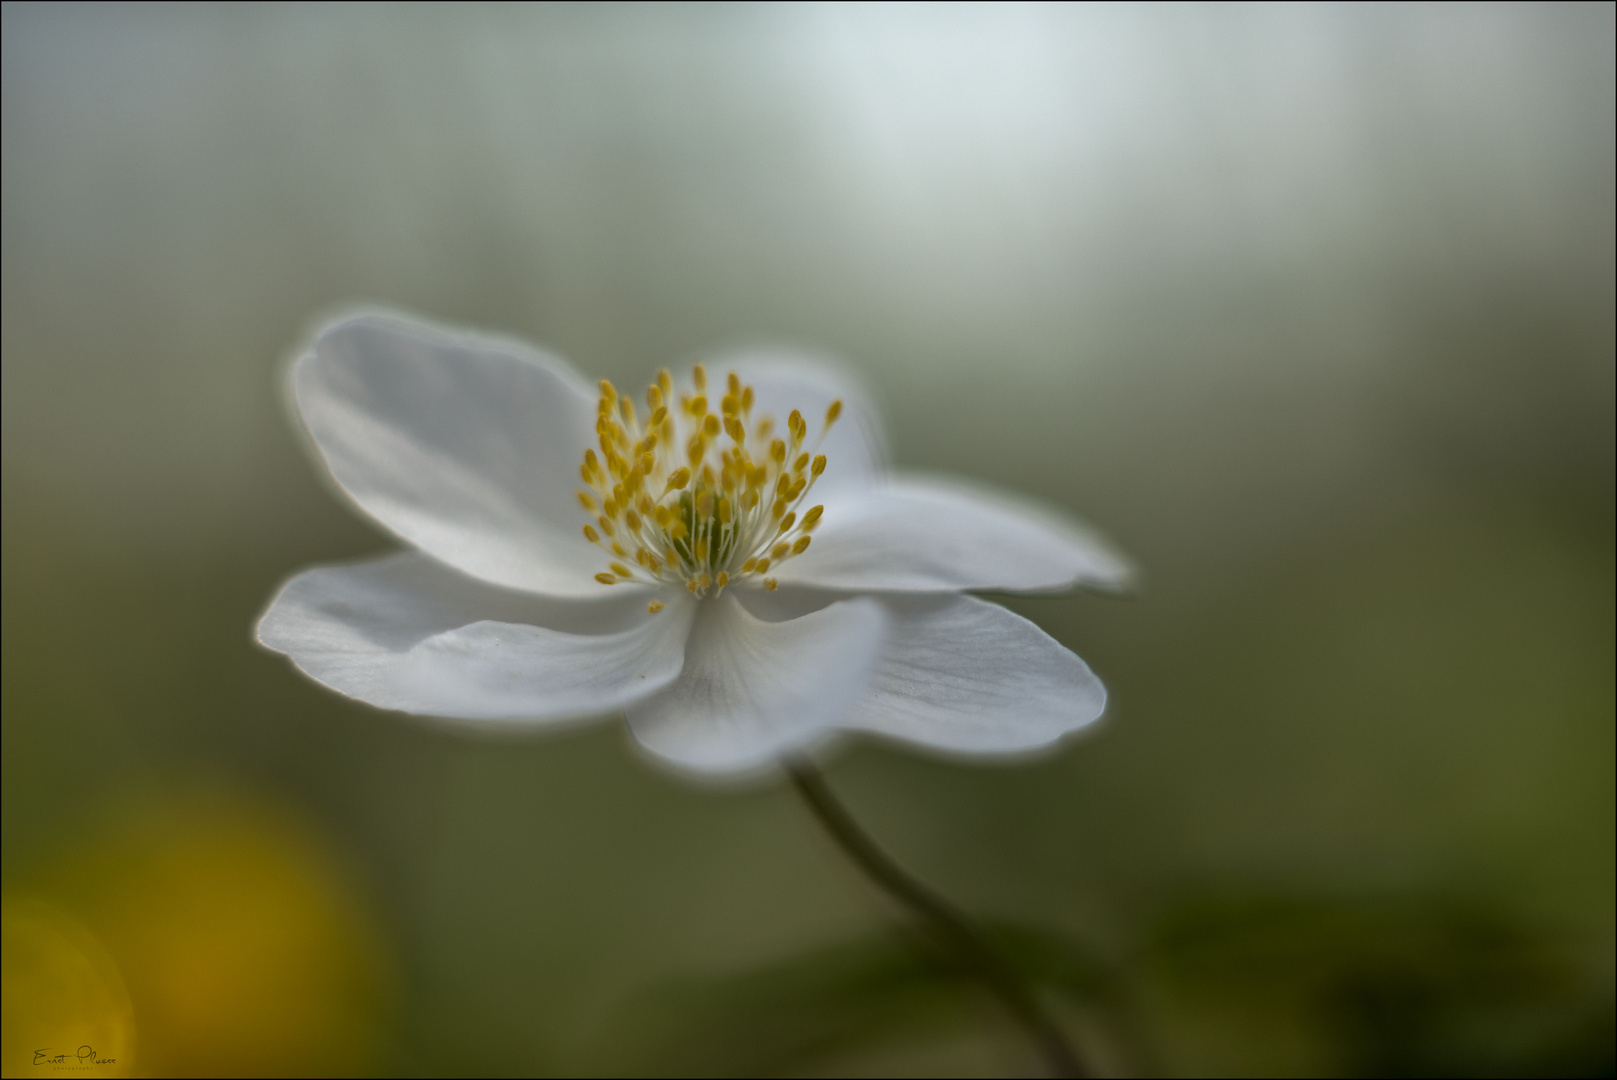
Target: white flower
691	579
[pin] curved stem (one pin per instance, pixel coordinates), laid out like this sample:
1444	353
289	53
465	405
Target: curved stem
952	930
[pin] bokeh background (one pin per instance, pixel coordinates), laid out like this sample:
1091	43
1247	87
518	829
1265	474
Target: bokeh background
1310	309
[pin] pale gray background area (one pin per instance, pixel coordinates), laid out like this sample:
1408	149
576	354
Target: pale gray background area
1309	309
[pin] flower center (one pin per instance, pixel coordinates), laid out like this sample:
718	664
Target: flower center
697	496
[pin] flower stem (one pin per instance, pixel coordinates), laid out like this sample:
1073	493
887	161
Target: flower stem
950	928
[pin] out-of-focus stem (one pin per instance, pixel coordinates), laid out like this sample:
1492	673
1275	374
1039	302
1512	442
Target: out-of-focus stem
943	922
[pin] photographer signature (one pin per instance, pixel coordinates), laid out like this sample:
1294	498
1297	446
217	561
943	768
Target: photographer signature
84	1055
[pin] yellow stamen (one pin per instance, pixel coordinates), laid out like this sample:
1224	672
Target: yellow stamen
725	508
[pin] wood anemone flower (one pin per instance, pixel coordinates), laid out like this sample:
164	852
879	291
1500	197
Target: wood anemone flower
730	564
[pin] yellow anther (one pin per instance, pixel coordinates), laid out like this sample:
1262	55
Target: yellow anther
770	584
655	606
606	579
733	511
801	545
833	411
690	586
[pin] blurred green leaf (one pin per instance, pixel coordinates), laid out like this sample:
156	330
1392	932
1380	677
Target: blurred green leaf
838	999
1390	987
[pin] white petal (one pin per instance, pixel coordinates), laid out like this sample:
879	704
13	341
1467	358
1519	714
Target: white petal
783	380
964	675
407	633
467	447
752	690
927	535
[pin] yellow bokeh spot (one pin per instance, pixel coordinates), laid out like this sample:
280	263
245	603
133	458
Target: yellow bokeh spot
203	935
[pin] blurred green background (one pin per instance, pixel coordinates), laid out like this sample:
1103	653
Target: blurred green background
1310	309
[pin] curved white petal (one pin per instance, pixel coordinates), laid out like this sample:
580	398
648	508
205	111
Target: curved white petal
855	449
925	535
752	690
961	674
405	632
467	447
